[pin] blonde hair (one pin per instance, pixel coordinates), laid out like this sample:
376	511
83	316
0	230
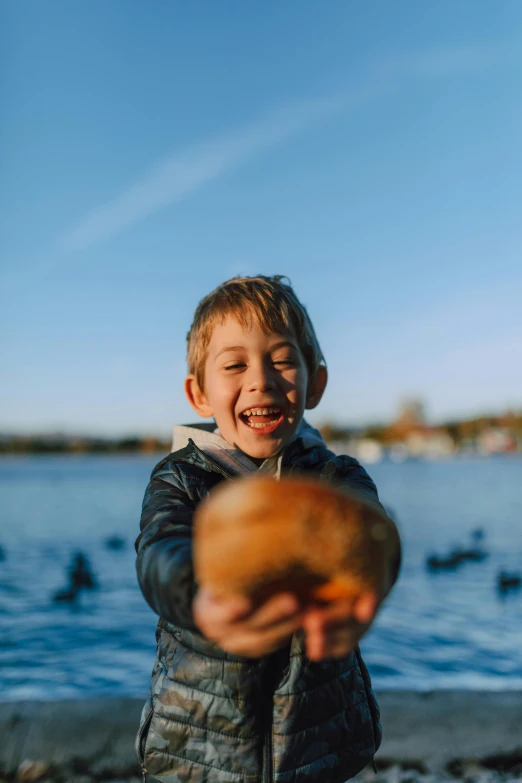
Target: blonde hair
269	300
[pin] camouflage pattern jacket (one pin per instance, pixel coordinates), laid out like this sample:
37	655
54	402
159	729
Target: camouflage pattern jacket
213	717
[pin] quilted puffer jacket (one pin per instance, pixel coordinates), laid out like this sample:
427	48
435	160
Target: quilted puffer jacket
213	717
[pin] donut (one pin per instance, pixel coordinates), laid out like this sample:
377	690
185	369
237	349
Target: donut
257	536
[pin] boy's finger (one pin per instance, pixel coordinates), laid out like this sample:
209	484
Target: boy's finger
278	608
282	630
222	610
333	643
256	643
361	609
319	616
316	647
365	607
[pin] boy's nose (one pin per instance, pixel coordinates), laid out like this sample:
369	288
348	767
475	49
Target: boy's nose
261	379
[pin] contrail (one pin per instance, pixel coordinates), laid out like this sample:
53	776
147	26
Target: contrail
179	175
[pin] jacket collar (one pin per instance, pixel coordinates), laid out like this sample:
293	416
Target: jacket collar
208	443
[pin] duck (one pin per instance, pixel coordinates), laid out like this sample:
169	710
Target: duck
459	555
508	581
67	594
115	543
474	555
80	574
436	563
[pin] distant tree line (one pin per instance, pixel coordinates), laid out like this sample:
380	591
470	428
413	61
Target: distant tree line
52	444
398	430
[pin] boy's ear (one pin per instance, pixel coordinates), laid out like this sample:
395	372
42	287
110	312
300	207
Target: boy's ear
196	397
316	387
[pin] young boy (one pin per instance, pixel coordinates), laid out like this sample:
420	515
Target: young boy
273	693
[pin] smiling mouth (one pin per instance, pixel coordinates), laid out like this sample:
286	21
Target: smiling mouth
262	418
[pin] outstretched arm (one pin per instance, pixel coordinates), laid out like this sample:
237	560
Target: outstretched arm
164	547
166	577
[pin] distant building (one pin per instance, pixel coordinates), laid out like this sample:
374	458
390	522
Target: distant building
497	440
412	415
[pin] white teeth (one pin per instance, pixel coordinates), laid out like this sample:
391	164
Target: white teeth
260	411
258	425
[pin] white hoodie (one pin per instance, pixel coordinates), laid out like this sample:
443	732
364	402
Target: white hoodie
233	459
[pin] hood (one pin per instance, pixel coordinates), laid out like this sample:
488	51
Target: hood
207	438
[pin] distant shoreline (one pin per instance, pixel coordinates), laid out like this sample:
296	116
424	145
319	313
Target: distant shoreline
79	446
164	452
107	453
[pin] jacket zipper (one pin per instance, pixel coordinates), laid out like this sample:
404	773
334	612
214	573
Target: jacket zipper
267	770
146	723
216	467
139	753
267	751
274	675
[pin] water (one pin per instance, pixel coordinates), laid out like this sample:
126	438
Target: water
444	630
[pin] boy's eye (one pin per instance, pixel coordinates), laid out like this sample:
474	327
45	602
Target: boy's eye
235	366
289	362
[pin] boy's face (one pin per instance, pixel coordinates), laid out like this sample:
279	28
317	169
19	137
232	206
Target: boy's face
256	387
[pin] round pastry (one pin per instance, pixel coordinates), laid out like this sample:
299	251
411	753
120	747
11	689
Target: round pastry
256	536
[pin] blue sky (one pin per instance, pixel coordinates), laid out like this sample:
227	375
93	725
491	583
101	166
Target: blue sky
369	151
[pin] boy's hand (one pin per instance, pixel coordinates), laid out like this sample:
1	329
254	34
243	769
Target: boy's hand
243	630
333	630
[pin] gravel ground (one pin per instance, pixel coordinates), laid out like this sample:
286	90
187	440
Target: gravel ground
470	772
434	737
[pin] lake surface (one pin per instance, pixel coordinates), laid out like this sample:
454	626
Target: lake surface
437	630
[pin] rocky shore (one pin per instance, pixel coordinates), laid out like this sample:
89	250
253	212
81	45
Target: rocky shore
430	737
